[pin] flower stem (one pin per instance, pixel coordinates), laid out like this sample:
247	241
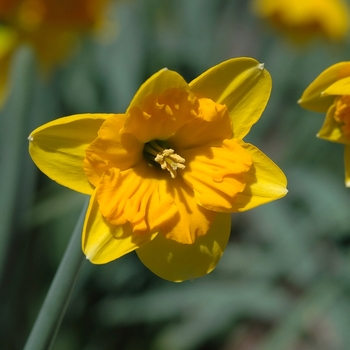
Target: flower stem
54	307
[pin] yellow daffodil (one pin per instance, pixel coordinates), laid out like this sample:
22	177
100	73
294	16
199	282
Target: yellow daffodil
29	15
302	20
330	93
51	27
165	176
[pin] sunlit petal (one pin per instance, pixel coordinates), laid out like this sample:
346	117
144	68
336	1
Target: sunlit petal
157	84
212	124
103	242
340	87
161	115
265	182
111	149
58	148
138	196
243	85
217	174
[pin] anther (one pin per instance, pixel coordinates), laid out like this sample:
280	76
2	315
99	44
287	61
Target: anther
170	161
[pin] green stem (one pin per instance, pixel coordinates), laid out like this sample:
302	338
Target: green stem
54	307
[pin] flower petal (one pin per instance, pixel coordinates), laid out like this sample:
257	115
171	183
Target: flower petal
103	242
265	182
217	174
242	84
58	148
332	130
191	220
157	84
212	124
312	98
111	149
347	165
340	87
160	116
138	196
178	262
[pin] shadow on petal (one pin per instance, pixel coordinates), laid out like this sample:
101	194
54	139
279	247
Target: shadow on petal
178	262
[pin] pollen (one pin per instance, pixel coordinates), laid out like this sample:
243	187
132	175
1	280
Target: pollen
165	157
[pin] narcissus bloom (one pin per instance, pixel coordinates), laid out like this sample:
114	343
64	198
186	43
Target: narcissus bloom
330	93
302	20
51	28
165	176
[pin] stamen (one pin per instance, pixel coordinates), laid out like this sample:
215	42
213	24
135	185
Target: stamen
166	158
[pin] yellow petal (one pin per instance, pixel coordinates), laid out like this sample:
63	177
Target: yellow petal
242	84
265	182
111	149
312	98
347	165
178	262
212	124
191	220
160	116
217	174
102	242
332	130
138	196
158	83
58	148
340	87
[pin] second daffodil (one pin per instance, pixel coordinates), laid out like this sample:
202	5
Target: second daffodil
302	20
165	176
330	93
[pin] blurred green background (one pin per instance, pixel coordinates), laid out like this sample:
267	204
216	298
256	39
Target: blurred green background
284	280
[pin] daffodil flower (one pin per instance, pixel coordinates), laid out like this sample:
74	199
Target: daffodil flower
51	28
165	176
302	20
330	93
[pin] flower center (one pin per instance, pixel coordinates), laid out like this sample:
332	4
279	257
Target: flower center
342	113
166	157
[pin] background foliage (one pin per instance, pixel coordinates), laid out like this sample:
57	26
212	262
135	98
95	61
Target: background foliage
284	280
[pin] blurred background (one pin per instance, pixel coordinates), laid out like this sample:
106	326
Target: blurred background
284	280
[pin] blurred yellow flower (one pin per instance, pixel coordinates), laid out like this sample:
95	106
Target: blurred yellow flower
165	176
330	92
51	27
31	15
302	20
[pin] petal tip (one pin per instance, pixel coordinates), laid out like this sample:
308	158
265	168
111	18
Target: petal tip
30	138
261	66
299	101
347	183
